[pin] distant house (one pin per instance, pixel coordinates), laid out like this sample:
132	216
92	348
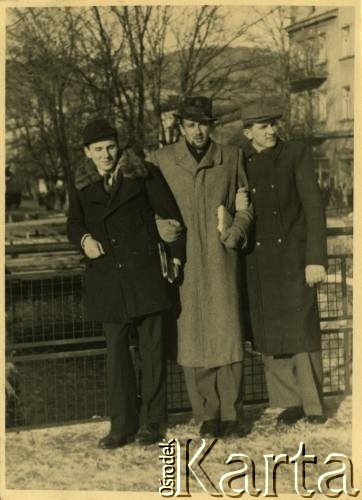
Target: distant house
322	88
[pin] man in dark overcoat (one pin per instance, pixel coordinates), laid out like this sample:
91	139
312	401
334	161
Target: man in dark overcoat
287	259
112	220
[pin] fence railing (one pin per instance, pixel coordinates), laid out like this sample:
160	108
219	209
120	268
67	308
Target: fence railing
59	356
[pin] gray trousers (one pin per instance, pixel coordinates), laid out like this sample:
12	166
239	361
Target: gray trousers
215	393
295	380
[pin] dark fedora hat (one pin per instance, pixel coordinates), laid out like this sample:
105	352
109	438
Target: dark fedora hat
197	108
97	130
259	112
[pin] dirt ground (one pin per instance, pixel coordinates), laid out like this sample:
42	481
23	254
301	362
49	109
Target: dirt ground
67	457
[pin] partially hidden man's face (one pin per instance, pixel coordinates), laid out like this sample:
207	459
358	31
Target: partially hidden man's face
196	133
262	135
104	154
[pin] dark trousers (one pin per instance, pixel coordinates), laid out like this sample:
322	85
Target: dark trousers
125	416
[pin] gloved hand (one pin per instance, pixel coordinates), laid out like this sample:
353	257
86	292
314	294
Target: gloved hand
232	237
315	274
168	229
92	248
241	199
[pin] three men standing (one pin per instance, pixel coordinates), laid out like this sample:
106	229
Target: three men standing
202	176
287	258
112	218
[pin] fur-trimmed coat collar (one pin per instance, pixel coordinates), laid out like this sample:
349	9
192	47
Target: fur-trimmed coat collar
129	165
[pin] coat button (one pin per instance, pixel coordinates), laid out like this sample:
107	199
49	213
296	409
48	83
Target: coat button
272	186
258	243
253	190
275	212
279	240
119	266
113	241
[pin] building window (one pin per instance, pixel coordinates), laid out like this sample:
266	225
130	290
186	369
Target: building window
346	41
293	109
322	49
300	57
294	56
301	111
297	106
323	170
314	103
319	106
310	54
322	106
347	112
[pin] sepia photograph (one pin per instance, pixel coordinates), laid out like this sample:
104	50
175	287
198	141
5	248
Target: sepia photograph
179	233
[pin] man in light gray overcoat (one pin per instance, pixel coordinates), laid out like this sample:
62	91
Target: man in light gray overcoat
202	176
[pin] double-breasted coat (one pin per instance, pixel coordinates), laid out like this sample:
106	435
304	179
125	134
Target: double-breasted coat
210	332
289	234
126	282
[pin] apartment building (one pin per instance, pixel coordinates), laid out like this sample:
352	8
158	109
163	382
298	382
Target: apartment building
322	88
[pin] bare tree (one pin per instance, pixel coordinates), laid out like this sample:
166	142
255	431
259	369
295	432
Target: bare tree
123	59
41	42
82	62
202	40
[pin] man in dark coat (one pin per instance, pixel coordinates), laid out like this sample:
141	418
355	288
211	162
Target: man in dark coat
112	220
287	259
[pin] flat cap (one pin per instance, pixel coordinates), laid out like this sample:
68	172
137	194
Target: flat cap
259	112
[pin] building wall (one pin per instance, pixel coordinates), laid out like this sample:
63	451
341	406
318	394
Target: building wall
322	84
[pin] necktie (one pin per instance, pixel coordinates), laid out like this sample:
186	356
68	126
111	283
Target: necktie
107	182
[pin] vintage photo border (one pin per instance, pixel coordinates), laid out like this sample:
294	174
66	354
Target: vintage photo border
6	494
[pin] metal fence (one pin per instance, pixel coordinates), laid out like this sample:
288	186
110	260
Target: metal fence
59	356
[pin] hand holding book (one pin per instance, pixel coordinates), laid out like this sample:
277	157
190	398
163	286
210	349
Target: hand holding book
170	269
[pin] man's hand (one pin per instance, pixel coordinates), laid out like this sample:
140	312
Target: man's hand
315	274
231	238
92	248
168	229
241	199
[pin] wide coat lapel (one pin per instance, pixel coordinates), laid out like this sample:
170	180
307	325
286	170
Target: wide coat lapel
212	157
96	193
124	189
184	158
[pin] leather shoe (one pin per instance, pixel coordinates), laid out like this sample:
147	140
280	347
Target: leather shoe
231	428
316	419
290	415
110	442
210	429
149	434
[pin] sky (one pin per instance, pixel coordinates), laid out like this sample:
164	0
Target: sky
235	16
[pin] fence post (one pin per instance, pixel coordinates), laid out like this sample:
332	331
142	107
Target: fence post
346	333
347	361
344	286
